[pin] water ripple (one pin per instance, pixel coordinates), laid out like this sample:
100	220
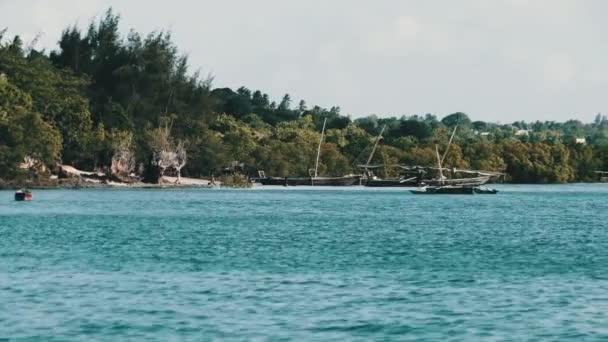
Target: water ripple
305	264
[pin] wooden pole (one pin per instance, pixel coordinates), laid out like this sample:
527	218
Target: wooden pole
319	149
439	164
449	143
371	156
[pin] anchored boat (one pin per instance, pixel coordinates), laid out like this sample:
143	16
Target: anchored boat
375	182
23	195
314	179
444	188
311	181
415	176
454	190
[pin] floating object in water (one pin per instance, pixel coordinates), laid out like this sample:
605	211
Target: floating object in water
23	195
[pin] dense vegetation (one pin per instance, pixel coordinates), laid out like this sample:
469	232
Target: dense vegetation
100	92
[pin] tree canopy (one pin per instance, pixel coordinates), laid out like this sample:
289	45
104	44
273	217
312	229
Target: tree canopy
81	103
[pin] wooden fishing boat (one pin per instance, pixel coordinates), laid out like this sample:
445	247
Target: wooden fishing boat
444	190
416	181
463	186
416	176
313	179
392	182
23	195
454	190
476	181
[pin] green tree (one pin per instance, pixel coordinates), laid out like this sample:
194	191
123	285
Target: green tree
456	118
23	132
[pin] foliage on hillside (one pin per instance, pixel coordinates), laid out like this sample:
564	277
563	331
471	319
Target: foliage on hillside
100	92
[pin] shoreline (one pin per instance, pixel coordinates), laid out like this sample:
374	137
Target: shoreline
105	186
89	185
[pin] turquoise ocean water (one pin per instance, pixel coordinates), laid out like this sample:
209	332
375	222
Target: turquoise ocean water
305	264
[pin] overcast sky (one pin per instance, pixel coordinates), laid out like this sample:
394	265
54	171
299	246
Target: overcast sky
497	60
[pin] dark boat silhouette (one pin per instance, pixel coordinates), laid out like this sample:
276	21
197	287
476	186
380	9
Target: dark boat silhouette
444	190
454	190
375	182
312	181
23	195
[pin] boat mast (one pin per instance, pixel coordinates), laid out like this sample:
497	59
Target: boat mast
319	149
449	143
371	156
439	164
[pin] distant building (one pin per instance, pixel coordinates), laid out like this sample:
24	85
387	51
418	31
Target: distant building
581	141
522	133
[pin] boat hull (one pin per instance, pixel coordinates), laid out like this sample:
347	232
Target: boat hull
23	196
485	191
470	182
394	183
391	183
445	190
454	190
311	181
